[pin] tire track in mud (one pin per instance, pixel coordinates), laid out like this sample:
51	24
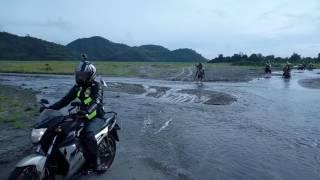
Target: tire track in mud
165	125
180	95
180	74
190	73
184	75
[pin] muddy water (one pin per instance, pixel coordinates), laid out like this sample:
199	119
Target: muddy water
272	131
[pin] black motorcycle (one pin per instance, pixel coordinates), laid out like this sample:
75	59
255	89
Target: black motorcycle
302	66
267	69
57	148
310	67
200	75
286	74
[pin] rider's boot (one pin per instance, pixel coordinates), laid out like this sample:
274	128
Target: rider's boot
96	167
100	168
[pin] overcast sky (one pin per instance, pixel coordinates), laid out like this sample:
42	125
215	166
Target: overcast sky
210	27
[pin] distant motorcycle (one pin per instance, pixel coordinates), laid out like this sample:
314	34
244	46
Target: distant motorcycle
57	147
301	67
286	72
310	67
200	75
267	69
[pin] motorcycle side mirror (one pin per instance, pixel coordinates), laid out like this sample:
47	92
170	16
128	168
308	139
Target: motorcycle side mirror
74	104
103	82
44	101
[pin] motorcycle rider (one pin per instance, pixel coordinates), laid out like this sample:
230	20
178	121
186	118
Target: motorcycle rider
310	66
200	72
199	66
287	69
267	68
288	66
89	92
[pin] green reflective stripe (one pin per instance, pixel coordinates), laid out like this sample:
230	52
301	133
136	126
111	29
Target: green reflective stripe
87	93
78	94
92	115
87	101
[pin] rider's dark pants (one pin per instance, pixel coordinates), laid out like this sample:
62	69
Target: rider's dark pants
89	142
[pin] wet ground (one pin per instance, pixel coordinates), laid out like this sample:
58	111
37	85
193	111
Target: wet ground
310	83
268	129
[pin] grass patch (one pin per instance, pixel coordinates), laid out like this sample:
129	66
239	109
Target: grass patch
123	69
229	66
17	106
152	70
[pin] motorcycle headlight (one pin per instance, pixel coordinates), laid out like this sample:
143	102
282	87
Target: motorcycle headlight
37	134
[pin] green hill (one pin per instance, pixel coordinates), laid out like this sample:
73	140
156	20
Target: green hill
13	47
29	48
99	48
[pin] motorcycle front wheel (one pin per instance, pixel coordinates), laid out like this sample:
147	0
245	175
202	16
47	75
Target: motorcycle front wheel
107	151
27	173
24	173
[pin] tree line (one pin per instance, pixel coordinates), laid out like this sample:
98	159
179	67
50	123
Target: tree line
258	59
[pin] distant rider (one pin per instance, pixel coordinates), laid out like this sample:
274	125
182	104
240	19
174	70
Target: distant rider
286	70
89	93
199	66
288	67
200	71
311	66
267	68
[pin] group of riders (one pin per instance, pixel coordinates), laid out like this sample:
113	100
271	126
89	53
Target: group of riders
200	74
287	68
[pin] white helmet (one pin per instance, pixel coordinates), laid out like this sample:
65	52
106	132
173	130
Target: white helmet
85	73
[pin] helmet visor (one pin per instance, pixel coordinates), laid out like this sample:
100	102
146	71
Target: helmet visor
82	78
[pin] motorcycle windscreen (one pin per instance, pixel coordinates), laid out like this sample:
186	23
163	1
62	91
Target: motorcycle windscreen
49	118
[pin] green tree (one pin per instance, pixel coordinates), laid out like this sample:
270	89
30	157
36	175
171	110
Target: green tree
254	58
295	57
270	58
236	57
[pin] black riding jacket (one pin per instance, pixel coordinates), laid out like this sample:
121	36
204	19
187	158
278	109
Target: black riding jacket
199	66
91	98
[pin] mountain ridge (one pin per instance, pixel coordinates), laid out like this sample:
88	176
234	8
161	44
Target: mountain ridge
14	47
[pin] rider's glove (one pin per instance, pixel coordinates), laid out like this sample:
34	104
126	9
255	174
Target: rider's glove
82	113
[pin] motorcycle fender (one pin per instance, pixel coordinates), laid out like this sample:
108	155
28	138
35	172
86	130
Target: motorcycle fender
33	160
114	134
